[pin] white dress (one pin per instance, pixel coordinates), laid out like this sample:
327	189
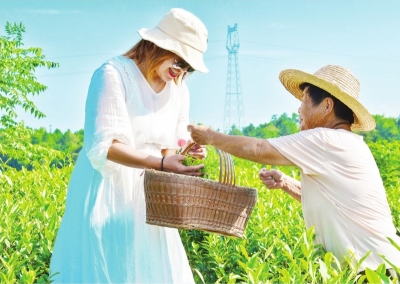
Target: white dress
103	237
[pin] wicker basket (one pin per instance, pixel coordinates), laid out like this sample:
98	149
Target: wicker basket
187	202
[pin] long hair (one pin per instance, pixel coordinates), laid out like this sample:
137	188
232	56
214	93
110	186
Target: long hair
152	55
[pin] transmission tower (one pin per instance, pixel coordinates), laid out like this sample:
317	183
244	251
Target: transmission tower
233	112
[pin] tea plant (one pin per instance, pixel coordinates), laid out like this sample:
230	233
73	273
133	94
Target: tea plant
209	171
276	247
31	206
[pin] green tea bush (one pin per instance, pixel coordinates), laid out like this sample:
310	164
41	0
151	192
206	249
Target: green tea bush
276	247
387	157
31	206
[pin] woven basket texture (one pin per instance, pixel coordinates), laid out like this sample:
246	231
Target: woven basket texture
186	202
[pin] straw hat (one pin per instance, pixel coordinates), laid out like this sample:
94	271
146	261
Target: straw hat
337	81
182	33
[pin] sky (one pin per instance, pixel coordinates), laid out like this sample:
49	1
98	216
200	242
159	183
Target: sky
361	35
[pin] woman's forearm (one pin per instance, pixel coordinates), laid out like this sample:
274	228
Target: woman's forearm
292	187
123	154
249	148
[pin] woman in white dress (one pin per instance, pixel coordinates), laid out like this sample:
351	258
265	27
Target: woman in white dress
137	104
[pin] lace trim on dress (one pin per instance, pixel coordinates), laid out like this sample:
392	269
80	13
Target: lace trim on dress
134	103
128	79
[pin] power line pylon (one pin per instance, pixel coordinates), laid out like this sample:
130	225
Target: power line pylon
233	112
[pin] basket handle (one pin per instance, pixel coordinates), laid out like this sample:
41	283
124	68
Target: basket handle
226	169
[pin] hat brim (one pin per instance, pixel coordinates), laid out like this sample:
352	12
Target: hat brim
292	79
191	55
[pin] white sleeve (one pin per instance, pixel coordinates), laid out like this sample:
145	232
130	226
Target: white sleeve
183	117
106	118
306	149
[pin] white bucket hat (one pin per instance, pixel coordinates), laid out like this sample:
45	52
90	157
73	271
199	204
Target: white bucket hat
337	81
182	33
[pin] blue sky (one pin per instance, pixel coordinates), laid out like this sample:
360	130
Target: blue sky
274	35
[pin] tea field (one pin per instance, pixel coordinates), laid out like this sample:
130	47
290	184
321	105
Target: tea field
276	247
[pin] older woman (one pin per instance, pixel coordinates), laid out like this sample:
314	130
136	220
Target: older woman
341	190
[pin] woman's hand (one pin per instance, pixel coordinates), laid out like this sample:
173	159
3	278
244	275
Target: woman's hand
174	164
197	151
272	179
199	133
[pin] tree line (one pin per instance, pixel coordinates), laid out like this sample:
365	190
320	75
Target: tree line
70	143
387	128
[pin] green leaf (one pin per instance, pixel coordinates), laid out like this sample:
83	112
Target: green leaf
8	180
372	276
397	246
323	270
200	275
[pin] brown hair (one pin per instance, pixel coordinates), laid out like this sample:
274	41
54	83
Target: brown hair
154	56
